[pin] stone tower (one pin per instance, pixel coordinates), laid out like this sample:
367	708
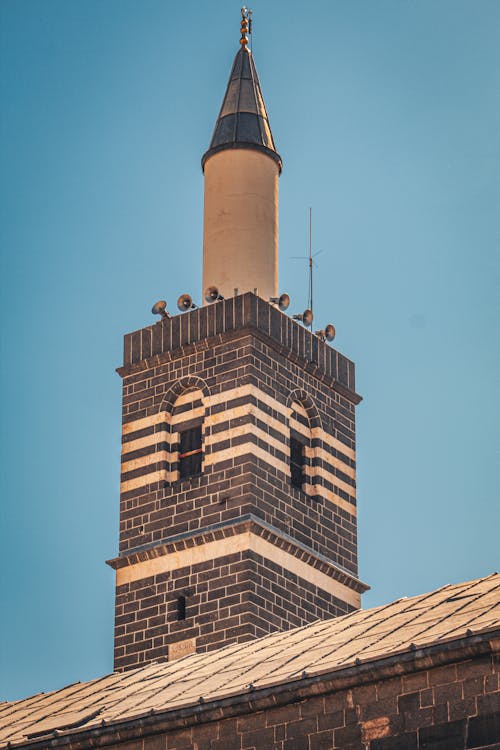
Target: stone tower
238	499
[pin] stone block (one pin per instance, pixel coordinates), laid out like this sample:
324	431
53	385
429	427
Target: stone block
406	741
483	730
447	736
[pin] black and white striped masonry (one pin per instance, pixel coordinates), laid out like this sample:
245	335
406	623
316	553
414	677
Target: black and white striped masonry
249	551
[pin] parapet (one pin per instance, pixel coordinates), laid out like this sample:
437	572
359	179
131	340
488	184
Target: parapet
172	337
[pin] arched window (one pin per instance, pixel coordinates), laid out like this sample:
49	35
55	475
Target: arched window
300	444
187	431
190	452
297	462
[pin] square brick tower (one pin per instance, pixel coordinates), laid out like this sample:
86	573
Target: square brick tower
238	499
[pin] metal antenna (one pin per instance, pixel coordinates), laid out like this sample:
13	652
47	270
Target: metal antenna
311	263
310	304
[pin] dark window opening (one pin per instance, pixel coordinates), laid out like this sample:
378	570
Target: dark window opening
297	461
181	608
190	452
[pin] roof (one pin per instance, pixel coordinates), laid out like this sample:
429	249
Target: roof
322	649
243	120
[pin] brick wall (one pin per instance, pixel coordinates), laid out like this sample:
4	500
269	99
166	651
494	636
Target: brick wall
228	599
452	707
324	518
247	311
246	373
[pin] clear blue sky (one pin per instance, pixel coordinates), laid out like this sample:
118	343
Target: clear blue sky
387	117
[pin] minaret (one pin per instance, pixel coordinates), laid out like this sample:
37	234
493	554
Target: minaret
238	473
241	168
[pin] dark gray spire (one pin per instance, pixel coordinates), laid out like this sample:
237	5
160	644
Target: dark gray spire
243	121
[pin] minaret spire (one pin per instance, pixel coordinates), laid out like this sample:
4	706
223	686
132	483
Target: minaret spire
241	167
243	121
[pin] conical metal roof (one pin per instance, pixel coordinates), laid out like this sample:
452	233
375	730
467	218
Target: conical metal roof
243	120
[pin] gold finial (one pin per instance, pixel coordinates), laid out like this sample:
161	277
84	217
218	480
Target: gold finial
246	25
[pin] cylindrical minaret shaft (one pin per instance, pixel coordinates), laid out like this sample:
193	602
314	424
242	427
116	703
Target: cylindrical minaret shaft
240	234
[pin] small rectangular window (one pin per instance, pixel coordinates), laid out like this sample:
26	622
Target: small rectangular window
190	452
181	608
297	462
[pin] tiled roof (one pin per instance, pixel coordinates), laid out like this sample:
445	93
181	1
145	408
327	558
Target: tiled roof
325	648
243	120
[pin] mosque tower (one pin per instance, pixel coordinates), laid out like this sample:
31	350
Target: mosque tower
237	495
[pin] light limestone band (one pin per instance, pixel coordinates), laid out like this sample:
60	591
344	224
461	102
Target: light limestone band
210	440
238	543
250	430
212	459
242	392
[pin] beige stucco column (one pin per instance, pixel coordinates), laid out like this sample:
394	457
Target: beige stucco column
240	232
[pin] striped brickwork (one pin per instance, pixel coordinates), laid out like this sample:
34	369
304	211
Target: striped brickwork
250	384
228	577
